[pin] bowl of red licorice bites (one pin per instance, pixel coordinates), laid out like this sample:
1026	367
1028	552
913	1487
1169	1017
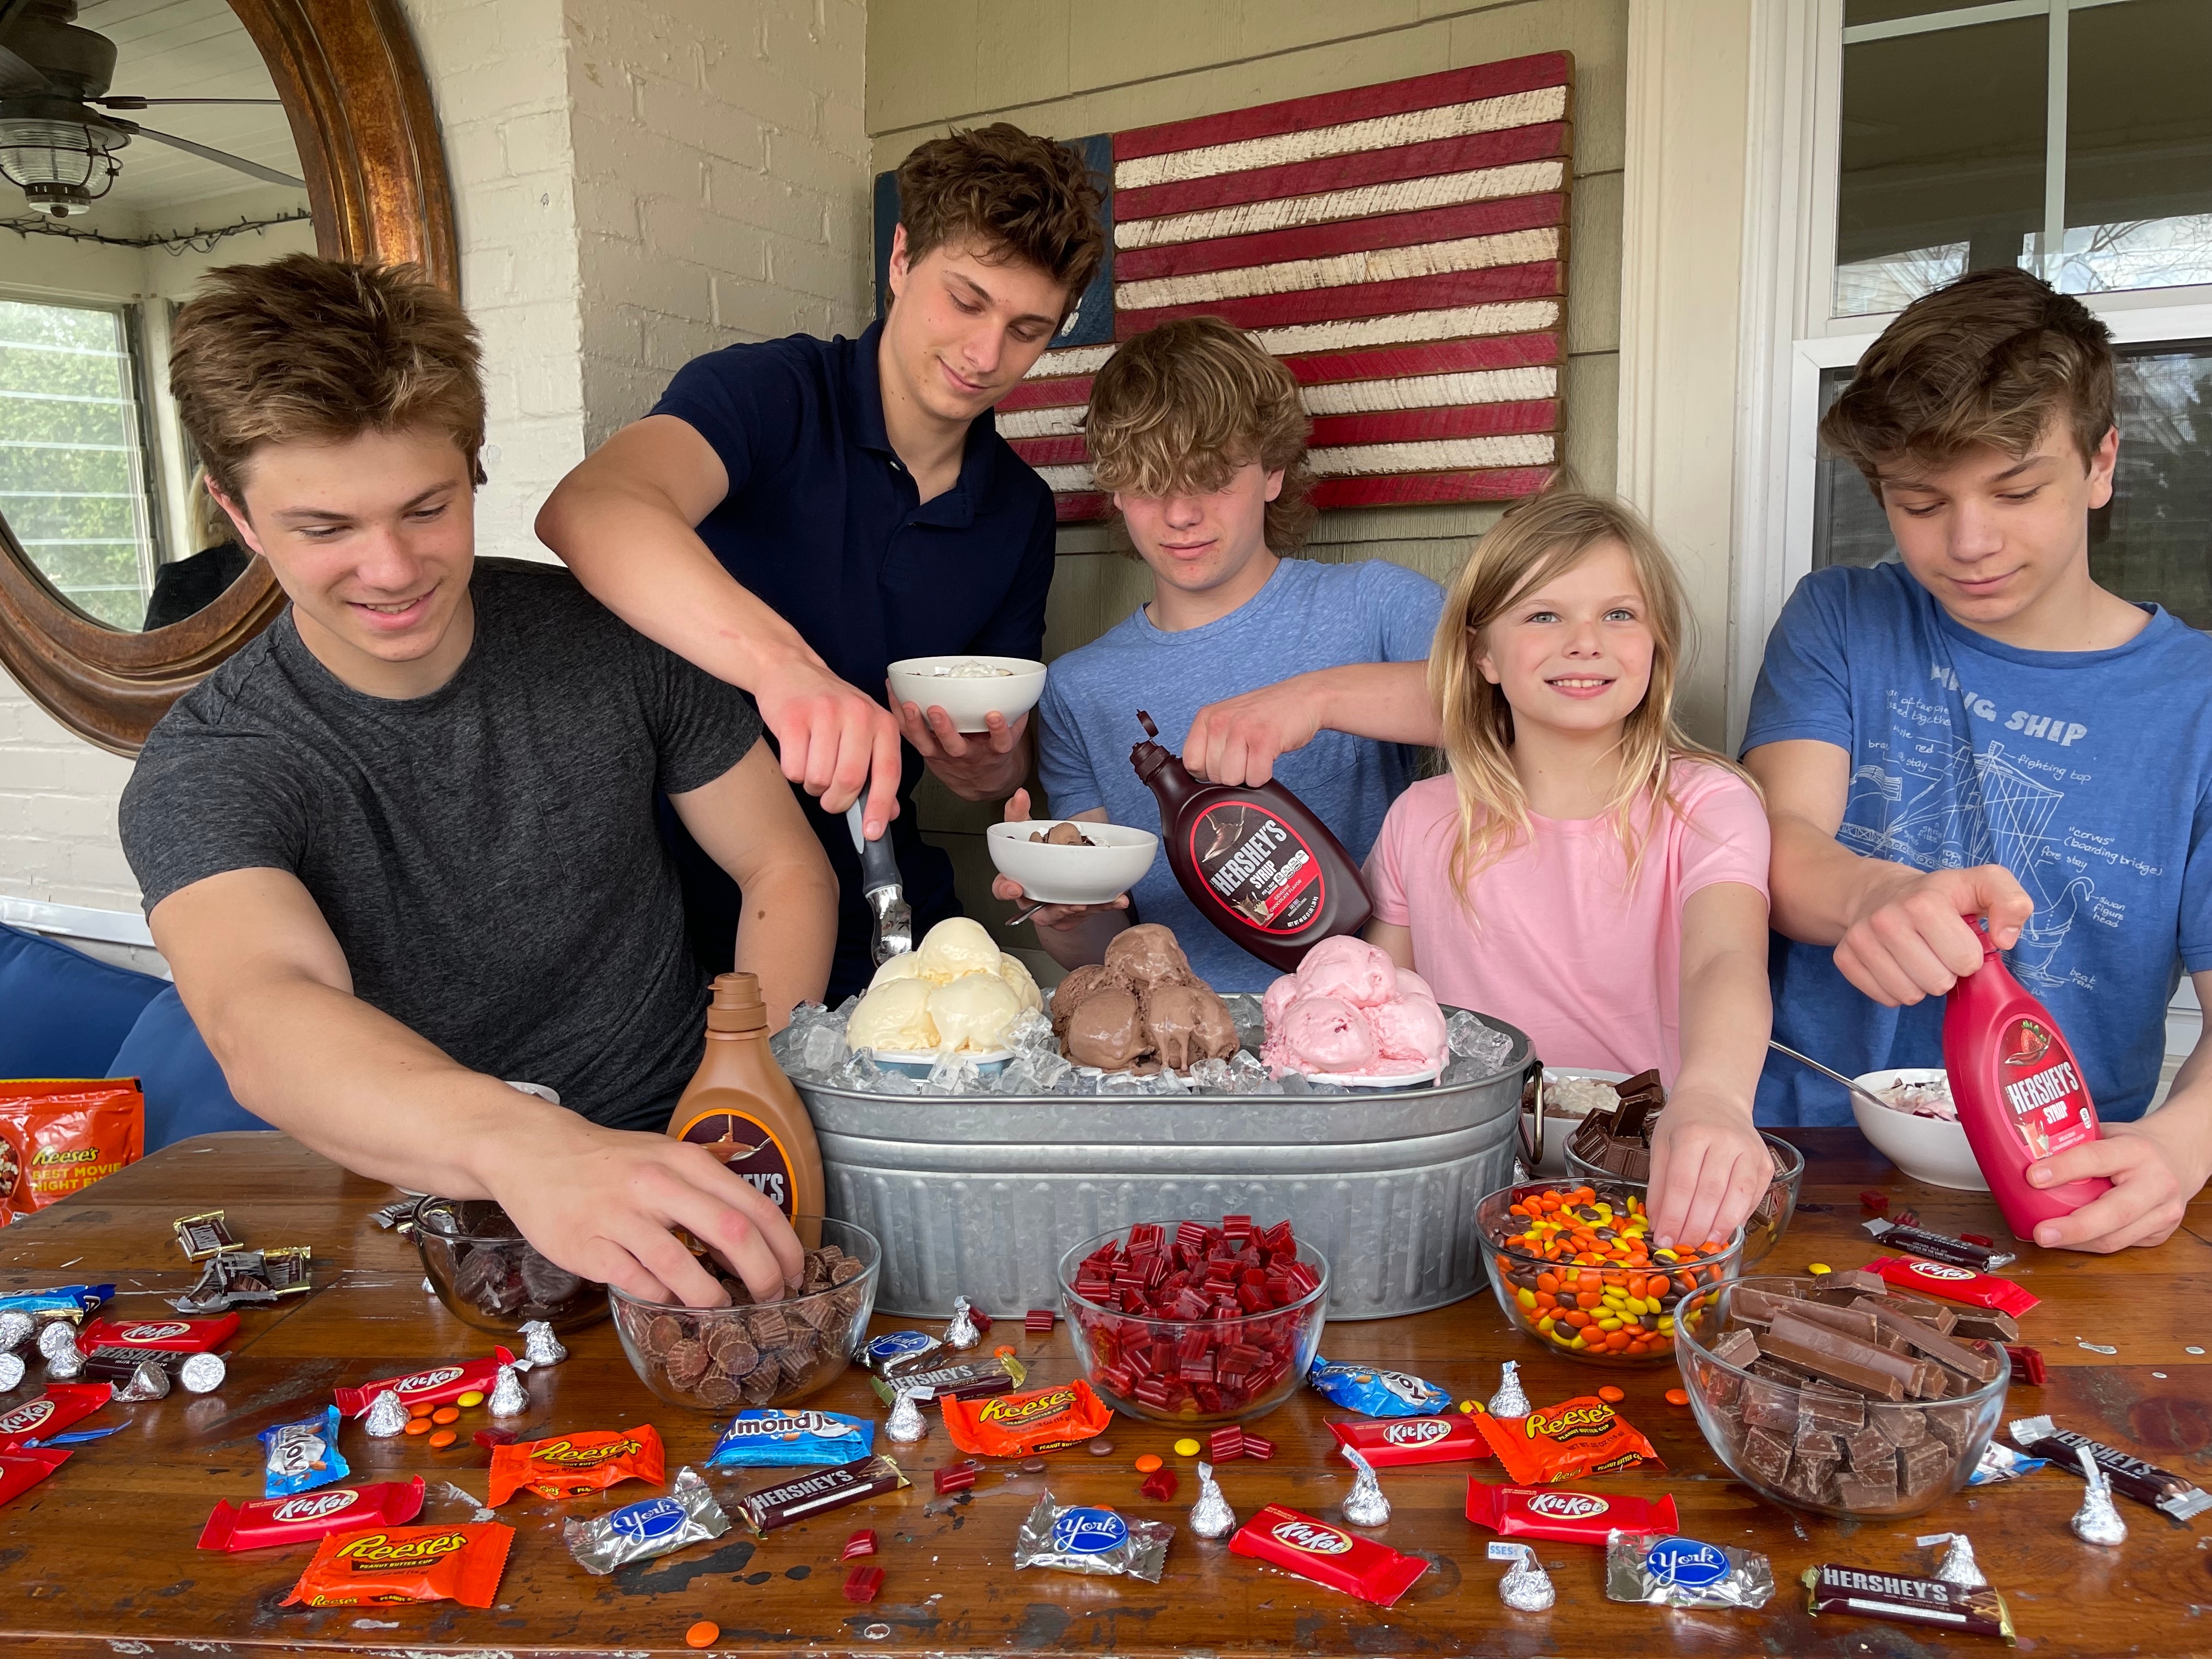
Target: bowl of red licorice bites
1188	1321
1573	1266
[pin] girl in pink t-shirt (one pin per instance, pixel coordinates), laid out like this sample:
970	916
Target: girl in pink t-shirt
1586	870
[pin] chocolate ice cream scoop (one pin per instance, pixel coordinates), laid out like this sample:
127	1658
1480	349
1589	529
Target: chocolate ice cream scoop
1147	955
1107	1029
1187	1024
1062	835
1068	995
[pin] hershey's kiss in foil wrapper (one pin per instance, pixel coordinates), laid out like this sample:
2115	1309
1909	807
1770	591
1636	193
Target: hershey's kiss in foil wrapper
151	1380
202	1373
540	1346
386	1416
11	1370
1084	1539
1365	1505
15	1328
508	1397
960	1332
1958	1566
2098	1521
688	1515
1526	1588
1511	1399
1210	1517
906	1425
58	1342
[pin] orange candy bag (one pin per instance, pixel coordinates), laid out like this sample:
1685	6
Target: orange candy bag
406	1564
58	1135
1024	1425
570	1465
1578	1437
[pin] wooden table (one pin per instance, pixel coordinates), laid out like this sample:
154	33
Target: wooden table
100	1558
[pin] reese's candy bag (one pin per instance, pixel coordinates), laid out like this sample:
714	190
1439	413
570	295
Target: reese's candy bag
406	1564
570	1465
1578	1437
1024	1425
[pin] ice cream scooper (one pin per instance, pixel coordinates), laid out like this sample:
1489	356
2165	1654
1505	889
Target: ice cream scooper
881	885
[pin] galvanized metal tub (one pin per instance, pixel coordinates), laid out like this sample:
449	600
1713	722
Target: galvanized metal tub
979	1196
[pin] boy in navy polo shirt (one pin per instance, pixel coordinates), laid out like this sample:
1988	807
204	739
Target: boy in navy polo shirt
795	516
1982	731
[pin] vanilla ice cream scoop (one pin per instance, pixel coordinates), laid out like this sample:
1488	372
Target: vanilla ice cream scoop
895	1016
955	946
974	1013
1018	980
905	965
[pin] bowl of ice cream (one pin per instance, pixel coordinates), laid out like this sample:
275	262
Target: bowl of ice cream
1865	1407
1919	1132
1141	1009
969	688
1352	1016
957	994
1058	862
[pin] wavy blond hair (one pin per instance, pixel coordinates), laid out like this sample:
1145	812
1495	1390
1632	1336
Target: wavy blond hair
1543	539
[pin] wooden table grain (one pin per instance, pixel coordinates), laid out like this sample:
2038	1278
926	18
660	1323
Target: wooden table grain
100	1558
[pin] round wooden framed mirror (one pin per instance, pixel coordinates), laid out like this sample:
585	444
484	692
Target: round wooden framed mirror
201	132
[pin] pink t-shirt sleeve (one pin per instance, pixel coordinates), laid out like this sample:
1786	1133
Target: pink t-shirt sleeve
1386	882
1724	834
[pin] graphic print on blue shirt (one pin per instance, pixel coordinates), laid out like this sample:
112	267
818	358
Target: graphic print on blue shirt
2085	774
1309	615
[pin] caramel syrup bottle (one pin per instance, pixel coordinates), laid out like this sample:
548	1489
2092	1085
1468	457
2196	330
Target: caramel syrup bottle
743	1108
1255	862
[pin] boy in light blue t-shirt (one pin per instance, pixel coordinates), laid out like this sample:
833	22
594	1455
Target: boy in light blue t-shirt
1199	432
1982	731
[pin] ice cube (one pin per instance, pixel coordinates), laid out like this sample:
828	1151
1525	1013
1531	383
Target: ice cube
1016	1077
895	1083
1296	1084
954	1074
1053	1071
1213	1076
1248	1074
857	1071
1471	1039
820	1048
1032	1033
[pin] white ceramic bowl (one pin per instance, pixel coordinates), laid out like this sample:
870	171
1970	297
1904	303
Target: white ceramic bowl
1929	1149
1071	875
1013	693
1558	1128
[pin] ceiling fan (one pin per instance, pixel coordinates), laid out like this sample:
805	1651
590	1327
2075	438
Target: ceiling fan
54	145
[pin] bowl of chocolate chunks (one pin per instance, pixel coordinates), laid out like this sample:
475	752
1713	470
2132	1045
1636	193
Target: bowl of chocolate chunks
758	1354
489	1276
1833	1393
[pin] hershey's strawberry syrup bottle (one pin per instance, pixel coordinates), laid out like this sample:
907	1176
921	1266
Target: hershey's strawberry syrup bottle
2019	1093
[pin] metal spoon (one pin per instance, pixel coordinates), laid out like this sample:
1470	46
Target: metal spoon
1865	1094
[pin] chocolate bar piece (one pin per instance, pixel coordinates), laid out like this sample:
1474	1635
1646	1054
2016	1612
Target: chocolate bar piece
203	1236
1755	1305
1979	1362
1939	1317
1990	1324
1923	1466
1841	1359
796	1500
1868	1451
1641	1096
1831	1587
1831	1412
1852	1321
1873	1488
1907	1428
1766	1406
1766	1456
1855	1281
1737	1347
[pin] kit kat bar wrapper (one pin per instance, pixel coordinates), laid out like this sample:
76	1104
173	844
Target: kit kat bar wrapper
814	1494
1955	1284
169	1335
1872	1594
1392	1441
267	1522
49	1413
1327	1555
2146	1483
440	1385
1566	1518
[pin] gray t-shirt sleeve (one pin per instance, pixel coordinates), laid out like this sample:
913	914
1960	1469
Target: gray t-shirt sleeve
701	725
203	802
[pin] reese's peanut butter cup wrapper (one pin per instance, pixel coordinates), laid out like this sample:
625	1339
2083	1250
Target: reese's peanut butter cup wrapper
1024	1425
459	1563
570	1465
1578	1437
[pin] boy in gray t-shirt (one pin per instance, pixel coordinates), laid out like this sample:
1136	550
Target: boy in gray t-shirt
402	846
1200	434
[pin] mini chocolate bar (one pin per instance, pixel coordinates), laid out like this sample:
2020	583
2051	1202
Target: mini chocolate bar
810	1495
399	1214
70	1301
1668	1571
1564	1517
266	1522
1830	1354
1938	1247
896	1353
1373	1392
200	1237
1987	1323
178	1335
655	1526
248	1278
1094	1540
1849	1283
1831	1587
1955	1284
434	1386
119	1365
1000	1375
301	1456
1979	1362
2038	1436
1403	1440
1313	1549
791	1439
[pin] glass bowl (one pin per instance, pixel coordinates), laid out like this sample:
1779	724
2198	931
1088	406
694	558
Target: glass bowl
1172	1371
1559	1304
1764	1230
1754	1425
489	1276
769	1353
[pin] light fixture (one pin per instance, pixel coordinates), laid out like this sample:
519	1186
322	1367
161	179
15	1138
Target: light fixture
61	166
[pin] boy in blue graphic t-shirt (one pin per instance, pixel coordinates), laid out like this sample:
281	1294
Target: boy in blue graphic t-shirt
1982	731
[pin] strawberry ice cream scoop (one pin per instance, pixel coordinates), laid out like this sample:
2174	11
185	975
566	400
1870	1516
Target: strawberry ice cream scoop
1350	969
1321	1034
1398	1031
1411	1029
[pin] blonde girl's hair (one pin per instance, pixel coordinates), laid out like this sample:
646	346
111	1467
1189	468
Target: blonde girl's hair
1539	539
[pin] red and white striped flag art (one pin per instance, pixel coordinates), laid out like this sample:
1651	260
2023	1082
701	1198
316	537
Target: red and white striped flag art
1402	246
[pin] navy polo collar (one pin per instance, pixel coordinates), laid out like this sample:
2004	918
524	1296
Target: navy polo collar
864	389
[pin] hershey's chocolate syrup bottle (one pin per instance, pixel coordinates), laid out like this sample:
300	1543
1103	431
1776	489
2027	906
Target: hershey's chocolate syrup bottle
741	1106
1255	862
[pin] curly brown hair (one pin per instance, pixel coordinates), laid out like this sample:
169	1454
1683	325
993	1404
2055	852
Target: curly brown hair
311	349
1023	196
1181	407
1987	359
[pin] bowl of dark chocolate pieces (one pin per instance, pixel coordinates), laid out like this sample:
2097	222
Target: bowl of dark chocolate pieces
1832	1392
490	1276
758	1354
1618	1142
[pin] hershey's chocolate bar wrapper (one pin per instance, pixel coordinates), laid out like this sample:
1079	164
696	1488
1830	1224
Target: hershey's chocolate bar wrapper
687	1515
1833	1587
